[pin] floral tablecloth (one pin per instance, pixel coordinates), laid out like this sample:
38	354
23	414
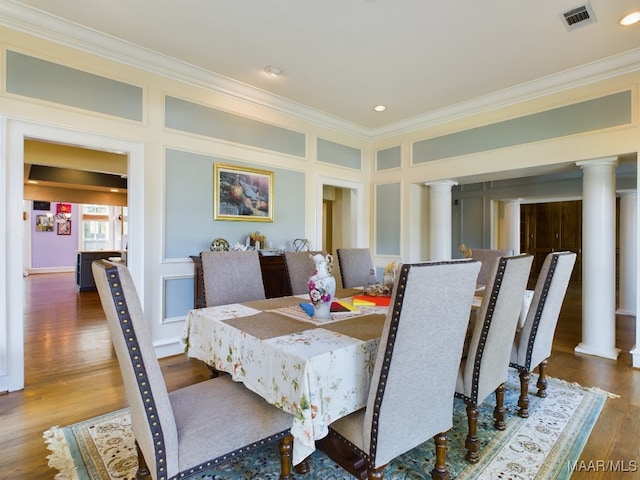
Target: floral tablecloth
317	373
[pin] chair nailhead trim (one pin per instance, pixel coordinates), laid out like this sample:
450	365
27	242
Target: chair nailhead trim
543	299
138	366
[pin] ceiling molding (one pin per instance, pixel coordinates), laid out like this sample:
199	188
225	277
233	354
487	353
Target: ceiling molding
584	75
39	24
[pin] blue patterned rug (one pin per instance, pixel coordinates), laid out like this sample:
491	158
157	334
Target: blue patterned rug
544	446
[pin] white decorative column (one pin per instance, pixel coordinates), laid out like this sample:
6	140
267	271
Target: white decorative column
628	253
511	230
598	258
440	219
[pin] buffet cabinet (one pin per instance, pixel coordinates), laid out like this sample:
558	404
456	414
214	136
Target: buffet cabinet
274	277
84	274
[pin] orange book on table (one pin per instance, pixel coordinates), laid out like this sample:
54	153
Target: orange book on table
369	300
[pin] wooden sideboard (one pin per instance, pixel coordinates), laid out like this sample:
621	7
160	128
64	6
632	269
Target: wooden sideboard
274	277
84	274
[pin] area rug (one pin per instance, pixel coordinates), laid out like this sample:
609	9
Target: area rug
544	446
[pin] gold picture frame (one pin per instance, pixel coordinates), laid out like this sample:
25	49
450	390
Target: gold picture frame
242	193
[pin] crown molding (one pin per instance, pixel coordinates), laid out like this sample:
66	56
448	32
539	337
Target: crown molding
55	29
609	67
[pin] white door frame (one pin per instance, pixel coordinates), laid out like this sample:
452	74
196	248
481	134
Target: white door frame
14	132
356	225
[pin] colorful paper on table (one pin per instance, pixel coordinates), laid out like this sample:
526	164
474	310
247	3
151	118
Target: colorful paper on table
368	300
336	307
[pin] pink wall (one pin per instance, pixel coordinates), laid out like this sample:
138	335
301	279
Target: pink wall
50	250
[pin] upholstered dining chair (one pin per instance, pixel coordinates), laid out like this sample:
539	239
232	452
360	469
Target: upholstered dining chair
414	375
488	257
355	265
300	267
195	427
533	341
231	277
485	367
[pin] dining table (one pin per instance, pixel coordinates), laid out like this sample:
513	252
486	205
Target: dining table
317	370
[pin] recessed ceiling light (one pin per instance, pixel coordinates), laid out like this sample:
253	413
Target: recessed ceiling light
32	182
379	108
630	19
114	190
273	71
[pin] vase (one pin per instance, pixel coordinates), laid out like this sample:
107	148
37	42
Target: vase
322	286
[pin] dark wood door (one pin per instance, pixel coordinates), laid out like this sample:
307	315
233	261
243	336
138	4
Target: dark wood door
552	227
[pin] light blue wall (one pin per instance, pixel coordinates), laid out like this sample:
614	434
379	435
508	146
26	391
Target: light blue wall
190	226
388	158
603	112
178	297
32	77
338	154
388	219
202	120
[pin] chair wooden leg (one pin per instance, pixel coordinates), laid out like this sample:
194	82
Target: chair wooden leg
498	412
286	449
471	444
376	473
542	379
143	472
523	401
440	471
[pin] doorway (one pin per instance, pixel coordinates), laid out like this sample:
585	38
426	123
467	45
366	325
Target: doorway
11	285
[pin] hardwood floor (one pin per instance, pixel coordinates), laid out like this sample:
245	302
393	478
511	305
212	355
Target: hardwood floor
71	374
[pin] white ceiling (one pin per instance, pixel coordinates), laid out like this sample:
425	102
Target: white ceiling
341	57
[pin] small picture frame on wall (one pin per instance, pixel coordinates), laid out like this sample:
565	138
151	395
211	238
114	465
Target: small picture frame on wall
39	205
44	223
242	194
64	228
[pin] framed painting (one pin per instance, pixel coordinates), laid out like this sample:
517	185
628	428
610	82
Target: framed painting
64	228
44	223
242	194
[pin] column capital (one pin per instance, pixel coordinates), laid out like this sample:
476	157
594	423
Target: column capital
598	162
441	183
631	192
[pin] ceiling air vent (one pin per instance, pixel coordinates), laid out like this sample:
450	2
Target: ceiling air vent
578	17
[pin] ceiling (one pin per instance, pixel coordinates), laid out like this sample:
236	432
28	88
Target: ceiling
340	58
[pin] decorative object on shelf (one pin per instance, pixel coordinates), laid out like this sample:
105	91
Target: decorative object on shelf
322	286
219	245
465	251
242	194
256	240
239	246
389	277
300	245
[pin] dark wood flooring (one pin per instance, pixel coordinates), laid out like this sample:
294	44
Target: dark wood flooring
71	374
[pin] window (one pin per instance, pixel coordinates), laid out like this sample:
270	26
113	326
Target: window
103	227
